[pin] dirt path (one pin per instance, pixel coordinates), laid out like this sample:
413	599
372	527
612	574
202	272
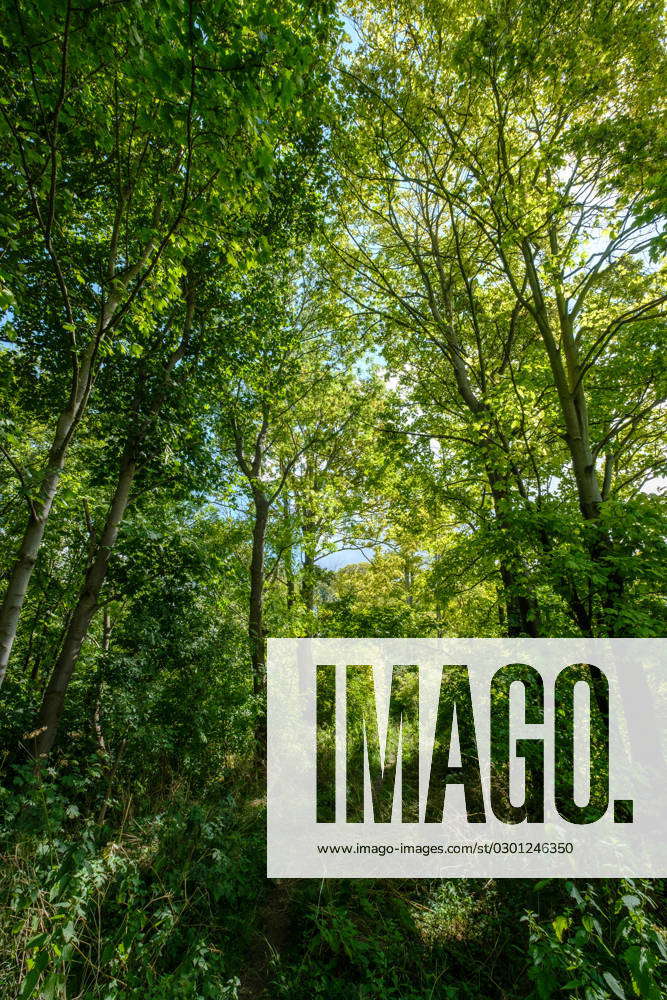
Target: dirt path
270	939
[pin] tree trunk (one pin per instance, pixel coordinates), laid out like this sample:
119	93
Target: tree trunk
68	421
19	577
520	614
570	391
309	535
308	581
567	373
521	608
256	612
289	575
97	704
287	554
86	606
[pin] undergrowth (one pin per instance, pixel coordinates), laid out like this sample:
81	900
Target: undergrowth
106	894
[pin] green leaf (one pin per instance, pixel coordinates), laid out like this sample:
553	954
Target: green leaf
37	941
30	981
640	962
53	986
613	984
560	925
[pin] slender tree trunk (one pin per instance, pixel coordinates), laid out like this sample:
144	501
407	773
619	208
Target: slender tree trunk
54	696
308	582
289	575
287	554
68	421
256	610
87	604
97	705
309	541
289	578
21	572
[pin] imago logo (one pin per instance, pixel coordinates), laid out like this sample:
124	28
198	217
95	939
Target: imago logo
489	757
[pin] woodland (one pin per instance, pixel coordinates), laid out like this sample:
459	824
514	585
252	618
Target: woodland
315	320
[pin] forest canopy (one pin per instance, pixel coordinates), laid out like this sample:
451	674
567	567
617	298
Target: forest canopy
315	320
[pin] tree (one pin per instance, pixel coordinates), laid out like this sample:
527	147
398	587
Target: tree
126	132
481	176
285	362
147	400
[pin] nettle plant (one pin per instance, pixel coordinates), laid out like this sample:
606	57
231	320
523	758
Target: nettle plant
603	944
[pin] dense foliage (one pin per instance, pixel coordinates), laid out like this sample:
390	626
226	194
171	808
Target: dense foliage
314	322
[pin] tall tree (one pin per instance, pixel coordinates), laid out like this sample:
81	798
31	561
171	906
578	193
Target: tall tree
286	357
126	130
168	353
482	171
